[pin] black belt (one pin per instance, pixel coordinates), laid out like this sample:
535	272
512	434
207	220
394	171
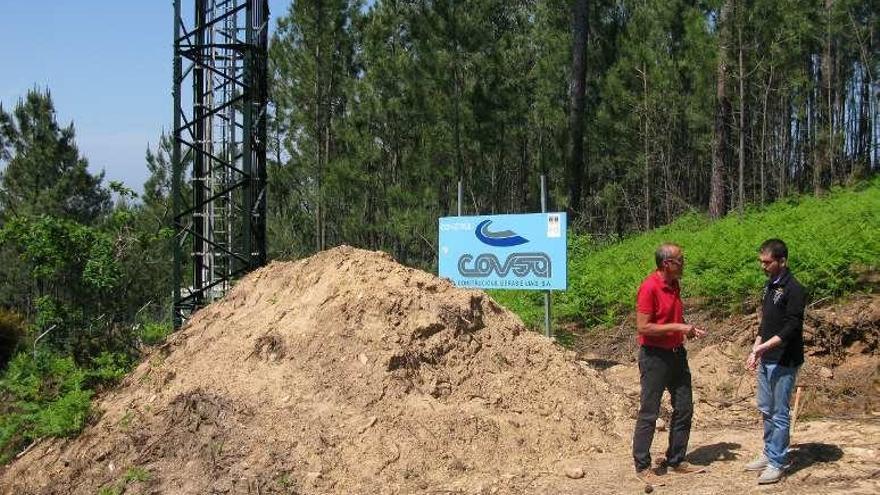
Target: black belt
675	349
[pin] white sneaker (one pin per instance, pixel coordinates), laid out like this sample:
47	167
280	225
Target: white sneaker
770	475
758	463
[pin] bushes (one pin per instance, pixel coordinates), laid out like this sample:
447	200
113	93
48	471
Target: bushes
42	395
829	240
48	394
152	333
108	367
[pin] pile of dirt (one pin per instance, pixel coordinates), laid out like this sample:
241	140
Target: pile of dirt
842	374
836	329
342	373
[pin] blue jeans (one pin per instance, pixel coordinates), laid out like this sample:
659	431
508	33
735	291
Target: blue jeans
775	383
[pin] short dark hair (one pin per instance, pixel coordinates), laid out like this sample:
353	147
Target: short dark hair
775	247
664	252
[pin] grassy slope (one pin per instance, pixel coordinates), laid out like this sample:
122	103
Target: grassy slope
830	240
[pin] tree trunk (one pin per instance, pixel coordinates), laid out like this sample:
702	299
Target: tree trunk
786	146
577	89
763	152
646	174
742	129
523	176
823	158
722	111
318	148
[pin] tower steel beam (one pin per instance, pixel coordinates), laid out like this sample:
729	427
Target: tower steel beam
219	168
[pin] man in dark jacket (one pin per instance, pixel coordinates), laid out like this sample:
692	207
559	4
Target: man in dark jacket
777	354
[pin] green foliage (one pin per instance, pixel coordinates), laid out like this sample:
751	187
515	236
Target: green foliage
87	271
528	304
564	338
62	417
137	474
381	107
828	239
108	367
49	395
57	249
152	333
12	438
32	378
77	273
43	395
45	175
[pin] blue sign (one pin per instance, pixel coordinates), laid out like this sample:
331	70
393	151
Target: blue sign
505	251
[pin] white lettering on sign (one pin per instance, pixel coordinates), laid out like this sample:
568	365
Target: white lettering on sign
452	226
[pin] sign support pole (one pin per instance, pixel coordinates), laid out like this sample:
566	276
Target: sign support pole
547	331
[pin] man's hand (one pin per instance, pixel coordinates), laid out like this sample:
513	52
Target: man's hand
693	331
752	361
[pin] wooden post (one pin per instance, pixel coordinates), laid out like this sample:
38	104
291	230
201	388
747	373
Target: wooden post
794	415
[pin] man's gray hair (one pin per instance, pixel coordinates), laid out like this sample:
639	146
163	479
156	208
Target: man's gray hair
664	252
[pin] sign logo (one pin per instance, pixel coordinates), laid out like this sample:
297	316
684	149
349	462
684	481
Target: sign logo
504	238
520	263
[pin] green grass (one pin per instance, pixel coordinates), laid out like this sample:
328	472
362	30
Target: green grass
110	490
132	475
137	474
829	239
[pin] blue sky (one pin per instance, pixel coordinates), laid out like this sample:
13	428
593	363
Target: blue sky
107	64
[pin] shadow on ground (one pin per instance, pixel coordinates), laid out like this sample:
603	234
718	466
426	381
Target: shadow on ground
805	455
602	364
716	452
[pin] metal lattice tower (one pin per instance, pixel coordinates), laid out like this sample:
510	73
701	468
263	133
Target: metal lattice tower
220	208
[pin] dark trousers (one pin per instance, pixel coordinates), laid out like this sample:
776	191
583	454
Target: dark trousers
662	369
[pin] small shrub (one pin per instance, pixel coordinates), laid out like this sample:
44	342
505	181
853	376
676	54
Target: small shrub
43	395
153	333
137	474
108	368
62	417
125	422
110	490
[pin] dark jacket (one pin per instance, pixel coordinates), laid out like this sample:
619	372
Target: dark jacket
783	315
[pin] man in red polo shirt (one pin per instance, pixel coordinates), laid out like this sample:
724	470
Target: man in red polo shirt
663	364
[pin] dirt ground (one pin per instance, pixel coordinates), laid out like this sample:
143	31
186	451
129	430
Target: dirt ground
349	373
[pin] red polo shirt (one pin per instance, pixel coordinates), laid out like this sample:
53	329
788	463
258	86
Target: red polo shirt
662	301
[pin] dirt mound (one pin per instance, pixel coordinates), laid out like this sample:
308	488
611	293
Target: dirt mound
342	373
835	329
